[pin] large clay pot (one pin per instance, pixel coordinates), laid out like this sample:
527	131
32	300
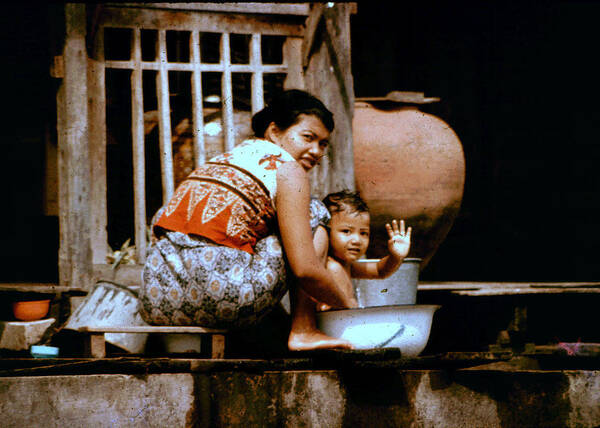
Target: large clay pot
408	165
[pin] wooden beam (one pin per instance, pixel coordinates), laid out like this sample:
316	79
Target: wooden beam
227	94
328	76
302	9
112	16
164	119
138	146
150	329
97	146
197	103
75	255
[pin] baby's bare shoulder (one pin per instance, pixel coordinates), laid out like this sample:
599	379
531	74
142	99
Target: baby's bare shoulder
333	265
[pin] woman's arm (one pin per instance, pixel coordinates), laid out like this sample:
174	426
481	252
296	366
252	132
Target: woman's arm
292	202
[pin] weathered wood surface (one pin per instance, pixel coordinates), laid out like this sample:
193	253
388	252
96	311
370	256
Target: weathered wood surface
467	288
241	7
34	287
292	58
75	256
138	148
97	146
328	76
131	275
150	329
180	20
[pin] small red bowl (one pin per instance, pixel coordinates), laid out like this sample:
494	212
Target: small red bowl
31	310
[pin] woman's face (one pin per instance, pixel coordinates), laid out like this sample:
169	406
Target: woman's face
306	140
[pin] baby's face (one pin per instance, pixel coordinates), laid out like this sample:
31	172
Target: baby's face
349	235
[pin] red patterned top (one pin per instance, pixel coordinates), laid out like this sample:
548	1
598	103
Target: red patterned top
225	200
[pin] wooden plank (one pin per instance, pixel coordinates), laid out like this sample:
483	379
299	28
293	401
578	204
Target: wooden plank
183	66
292	58
75	259
150	329
197	103
138	143
164	122
130	275
64	262
526	290
97	148
328	76
217	348
34	287
466	288
258	96
477	285
241	7
112	16
312	23
227	94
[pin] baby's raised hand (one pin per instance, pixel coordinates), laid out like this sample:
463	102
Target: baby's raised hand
399	242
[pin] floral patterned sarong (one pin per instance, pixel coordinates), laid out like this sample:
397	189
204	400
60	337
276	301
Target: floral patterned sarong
190	280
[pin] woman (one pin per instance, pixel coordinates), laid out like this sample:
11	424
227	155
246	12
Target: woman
218	260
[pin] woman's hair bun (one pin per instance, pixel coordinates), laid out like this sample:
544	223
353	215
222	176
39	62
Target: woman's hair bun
284	109
261	121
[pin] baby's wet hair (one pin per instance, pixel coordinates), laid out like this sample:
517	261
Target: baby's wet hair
347	201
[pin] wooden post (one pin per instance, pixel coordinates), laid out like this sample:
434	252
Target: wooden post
328	76
75	256
97	143
95	345
217	346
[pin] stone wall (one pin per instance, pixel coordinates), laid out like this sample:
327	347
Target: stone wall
315	398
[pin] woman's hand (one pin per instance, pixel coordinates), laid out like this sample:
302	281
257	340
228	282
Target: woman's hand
399	242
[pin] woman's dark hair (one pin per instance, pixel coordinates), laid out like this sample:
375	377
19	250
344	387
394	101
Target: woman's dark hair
285	108
345	201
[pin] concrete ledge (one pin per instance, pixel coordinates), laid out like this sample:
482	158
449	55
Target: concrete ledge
329	398
20	335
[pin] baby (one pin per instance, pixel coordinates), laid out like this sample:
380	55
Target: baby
349	238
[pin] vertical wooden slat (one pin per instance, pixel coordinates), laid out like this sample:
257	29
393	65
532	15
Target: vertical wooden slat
97	127
137	133
292	58
197	107
75	262
258	97
227	94
164	118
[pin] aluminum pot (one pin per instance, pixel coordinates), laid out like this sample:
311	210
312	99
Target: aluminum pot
399	326
400	288
111	305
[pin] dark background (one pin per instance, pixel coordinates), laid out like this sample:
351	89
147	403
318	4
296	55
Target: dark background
518	83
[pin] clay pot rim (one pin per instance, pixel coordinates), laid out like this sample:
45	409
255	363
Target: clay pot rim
404	97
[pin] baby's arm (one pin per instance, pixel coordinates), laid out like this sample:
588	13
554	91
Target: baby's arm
399	246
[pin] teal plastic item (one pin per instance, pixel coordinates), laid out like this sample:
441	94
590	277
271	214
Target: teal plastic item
42	351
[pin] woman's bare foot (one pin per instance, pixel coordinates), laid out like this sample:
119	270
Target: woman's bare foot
314	339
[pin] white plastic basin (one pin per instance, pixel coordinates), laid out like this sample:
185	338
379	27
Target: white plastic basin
397	326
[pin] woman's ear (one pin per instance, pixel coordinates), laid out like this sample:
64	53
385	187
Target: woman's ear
272	132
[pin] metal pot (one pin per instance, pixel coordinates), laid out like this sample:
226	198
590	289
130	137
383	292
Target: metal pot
400	288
